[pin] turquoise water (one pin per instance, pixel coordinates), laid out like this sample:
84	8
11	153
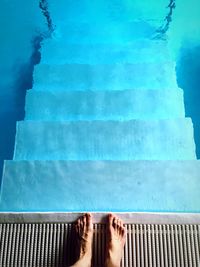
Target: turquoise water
110	23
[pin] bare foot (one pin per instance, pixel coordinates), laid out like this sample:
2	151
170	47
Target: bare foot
84	232
116	241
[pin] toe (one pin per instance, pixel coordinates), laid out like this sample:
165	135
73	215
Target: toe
82	223
89	221
115	222
110	218
84	218
78	226
79	223
84	228
110	222
119	226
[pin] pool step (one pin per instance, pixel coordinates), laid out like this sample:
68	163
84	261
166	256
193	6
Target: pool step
138	51
105	140
105	12
168	186
102	32
105	77
104	105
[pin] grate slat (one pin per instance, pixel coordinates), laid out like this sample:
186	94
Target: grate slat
17	256
197	248
6	255
192	245
174	255
170	251
9	254
126	254
2	244
21	244
39	242
61	256
65	247
177	252
49	245
133	243
12	252
142	245
57	244
166	248
157	246
130	245
149	246
153	240
188	243
51	254
146	245
161	245
181	249
31	258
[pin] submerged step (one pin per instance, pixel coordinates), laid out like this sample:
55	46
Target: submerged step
104	105
105	12
102	32
138	51
105	140
105	77
168	186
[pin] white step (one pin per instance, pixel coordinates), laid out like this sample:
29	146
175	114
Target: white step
104	11
161	186
138	51
105	77
105	140
102	32
104	105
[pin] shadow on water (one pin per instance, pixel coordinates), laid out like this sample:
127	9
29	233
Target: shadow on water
23	82
188	76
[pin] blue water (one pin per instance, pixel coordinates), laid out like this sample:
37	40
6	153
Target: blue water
24	26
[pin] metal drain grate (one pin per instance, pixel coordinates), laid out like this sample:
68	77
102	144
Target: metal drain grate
51	245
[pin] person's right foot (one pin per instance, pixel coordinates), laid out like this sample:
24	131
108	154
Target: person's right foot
84	233
115	241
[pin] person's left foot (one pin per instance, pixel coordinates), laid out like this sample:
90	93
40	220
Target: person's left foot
84	232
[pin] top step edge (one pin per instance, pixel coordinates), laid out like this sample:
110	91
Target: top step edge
31	91
141	41
186	119
104	24
142	88
108	21
43	64
155	161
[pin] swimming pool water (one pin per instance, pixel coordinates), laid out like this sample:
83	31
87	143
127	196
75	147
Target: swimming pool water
105	90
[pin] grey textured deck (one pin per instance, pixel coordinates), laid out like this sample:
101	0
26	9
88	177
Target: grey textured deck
32	241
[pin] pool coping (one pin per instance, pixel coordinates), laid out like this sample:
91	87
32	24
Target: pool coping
100	217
